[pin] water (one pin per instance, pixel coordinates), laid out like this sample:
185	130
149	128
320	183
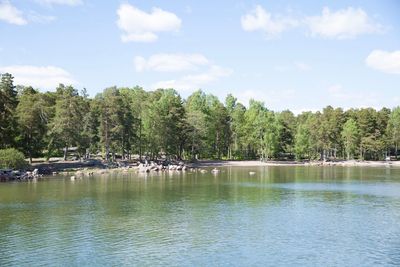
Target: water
282	216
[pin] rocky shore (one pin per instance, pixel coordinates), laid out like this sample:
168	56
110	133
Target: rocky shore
12	175
78	169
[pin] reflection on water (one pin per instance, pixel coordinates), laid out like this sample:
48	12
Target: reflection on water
281	216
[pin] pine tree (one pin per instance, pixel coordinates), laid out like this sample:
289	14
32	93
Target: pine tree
8	104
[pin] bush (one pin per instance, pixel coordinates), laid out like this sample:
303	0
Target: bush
11	158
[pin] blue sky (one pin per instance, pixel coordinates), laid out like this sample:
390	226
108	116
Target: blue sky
301	55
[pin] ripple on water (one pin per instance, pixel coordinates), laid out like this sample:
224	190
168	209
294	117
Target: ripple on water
203	220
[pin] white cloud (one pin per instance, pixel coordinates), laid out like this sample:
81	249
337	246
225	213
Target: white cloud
139	26
260	20
170	62
384	61
342	24
11	14
47	77
60	2
38	18
195	81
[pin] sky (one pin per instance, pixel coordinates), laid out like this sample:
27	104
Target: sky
297	55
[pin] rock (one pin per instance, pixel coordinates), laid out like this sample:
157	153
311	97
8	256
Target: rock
215	171
35	172
143	168
171	167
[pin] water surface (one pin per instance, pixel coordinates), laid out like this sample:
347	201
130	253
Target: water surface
281	216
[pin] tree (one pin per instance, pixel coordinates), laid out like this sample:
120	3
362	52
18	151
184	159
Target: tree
302	142
350	136
170	115
91	126
136	100
309	135
8	104
255	128
271	135
331	124
197	116
393	129
372	126
286	127
32	114
218	127
112	128
196	130
236	122
67	126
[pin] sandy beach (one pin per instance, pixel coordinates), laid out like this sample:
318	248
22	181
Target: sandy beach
254	163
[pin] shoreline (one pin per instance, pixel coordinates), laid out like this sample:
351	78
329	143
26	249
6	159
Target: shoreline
96	167
68	166
257	163
92	167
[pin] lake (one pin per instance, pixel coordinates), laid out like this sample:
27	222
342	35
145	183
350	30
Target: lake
281	216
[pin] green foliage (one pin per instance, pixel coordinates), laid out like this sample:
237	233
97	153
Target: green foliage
302	142
350	136
131	121
32	115
164	123
393	129
286	127
66	127
11	158
8	103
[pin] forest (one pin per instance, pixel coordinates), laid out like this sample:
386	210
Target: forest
132	122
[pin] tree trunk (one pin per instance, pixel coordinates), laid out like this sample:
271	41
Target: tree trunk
193	147
65	152
30	149
140	139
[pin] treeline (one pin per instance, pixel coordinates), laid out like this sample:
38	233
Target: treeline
126	122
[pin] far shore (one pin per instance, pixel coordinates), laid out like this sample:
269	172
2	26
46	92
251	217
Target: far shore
96	166
66	166
257	163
